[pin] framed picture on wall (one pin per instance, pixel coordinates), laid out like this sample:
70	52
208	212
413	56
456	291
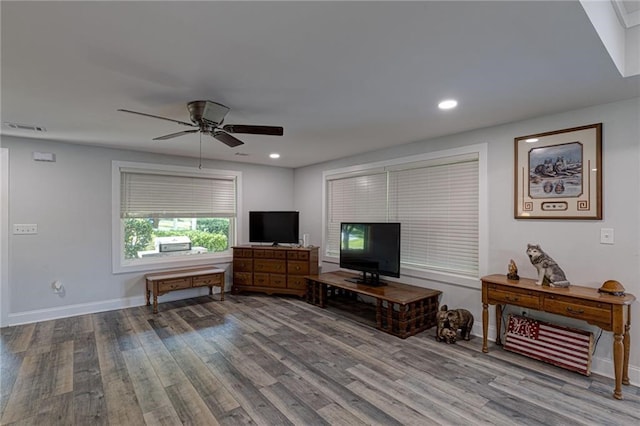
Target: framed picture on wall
558	175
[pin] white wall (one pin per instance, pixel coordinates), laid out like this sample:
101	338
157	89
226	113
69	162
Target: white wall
573	244
70	201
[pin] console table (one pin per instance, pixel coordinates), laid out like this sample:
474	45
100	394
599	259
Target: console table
401	310
163	282
610	313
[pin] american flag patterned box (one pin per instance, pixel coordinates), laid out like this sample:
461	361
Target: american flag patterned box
565	347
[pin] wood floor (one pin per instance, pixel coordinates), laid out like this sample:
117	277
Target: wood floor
278	361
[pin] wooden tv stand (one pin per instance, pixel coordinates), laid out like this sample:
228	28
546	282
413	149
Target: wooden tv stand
610	313
401	310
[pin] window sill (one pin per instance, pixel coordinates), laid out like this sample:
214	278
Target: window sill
166	262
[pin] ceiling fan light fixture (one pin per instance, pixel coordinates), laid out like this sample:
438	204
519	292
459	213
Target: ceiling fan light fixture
214	113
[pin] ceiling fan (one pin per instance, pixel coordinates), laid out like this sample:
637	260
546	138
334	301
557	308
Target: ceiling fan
207	117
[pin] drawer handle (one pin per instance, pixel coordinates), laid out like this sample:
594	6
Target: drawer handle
512	299
297	268
574	311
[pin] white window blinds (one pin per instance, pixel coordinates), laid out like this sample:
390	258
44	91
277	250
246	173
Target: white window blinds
171	196
354	199
438	209
436	201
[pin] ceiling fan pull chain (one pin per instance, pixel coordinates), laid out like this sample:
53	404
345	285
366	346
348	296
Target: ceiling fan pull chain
200	163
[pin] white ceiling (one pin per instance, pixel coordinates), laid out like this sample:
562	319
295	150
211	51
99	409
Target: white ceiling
341	77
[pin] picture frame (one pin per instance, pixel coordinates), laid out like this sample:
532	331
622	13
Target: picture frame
558	174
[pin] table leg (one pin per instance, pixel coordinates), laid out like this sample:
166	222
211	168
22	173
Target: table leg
498	324
155	303
402	319
627	346
485	327
210	290
618	349
323	295
148	294
222	291
379	313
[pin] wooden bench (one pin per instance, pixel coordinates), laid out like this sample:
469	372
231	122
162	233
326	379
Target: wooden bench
163	282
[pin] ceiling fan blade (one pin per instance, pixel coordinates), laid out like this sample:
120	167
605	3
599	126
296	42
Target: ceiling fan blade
175	135
254	130
184	123
226	138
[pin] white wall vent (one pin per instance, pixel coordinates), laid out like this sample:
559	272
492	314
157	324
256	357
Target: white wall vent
30	127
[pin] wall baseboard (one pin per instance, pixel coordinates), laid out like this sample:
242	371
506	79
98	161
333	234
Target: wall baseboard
48	314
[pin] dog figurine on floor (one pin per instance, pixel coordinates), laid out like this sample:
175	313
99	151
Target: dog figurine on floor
450	321
448	335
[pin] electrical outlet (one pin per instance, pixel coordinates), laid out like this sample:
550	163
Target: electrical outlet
25	229
606	236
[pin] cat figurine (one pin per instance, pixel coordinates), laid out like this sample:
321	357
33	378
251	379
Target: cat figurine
549	273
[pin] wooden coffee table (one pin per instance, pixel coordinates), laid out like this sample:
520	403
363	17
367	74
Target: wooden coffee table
401	310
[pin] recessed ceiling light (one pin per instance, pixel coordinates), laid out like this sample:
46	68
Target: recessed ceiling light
448	104
532	140
274	155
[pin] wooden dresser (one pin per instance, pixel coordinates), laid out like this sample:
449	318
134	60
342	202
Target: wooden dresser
610	313
273	270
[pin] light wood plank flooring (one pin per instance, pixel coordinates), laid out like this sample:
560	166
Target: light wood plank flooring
278	361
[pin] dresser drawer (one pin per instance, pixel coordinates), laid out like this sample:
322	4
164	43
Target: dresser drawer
513	297
175	284
298	255
243	278
269	265
297	282
297	267
262	253
277	280
207	280
585	310
242	265
261	279
238	252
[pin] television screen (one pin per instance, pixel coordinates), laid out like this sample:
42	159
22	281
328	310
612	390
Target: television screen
274	227
372	248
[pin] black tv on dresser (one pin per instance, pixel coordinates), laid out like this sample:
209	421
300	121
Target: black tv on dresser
275	227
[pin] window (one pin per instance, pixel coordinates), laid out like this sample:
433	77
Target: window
172	215
437	198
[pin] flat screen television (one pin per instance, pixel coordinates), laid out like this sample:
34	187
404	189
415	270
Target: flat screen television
276	227
371	248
